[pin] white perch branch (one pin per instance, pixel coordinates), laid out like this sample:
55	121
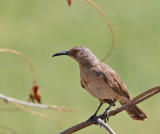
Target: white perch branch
54	107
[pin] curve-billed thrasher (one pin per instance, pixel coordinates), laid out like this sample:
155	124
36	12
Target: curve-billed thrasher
101	81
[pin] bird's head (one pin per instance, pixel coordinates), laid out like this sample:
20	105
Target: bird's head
81	54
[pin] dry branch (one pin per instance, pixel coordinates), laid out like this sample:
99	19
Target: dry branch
107	21
19	103
109	25
102	123
9	99
34	93
36	113
138	99
11	109
24	58
8	128
86	124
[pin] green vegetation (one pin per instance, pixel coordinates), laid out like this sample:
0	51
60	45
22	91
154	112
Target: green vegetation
39	28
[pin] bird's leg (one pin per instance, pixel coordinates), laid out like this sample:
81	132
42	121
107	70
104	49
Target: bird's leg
93	117
98	109
106	112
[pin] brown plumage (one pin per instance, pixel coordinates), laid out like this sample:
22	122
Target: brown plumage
101	81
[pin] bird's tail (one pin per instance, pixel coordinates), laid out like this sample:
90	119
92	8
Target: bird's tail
135	112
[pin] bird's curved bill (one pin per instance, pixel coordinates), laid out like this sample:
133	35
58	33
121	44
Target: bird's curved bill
61	53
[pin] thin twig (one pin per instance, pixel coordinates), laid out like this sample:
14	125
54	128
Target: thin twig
11	109
138	99
35	95
36	113
19	103
109	24
8	128
102	123
6	98
11	130
24	58
148	96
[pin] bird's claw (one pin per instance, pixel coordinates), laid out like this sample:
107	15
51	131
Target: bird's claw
93	118
105	116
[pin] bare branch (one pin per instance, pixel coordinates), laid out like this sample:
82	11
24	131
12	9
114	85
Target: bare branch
102	123
34	93
109	25
138	99
8	128
24	58
78	127
6	98
11	109
19	103
36	113
86	124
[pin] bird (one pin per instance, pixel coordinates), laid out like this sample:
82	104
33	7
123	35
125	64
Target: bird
102	82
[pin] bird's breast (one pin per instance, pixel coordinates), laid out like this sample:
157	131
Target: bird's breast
97	87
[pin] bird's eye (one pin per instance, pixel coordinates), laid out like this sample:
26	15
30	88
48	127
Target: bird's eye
75	51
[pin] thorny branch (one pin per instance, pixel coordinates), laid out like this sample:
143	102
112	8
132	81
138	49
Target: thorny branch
138	99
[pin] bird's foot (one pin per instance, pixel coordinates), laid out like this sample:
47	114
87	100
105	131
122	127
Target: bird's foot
105	116
93	118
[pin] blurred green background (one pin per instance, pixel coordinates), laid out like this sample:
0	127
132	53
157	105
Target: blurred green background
39	28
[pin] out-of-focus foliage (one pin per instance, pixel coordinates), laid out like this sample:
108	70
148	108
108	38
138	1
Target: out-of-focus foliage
39	28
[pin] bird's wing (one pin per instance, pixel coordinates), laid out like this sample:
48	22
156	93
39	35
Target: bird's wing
82	84
111	78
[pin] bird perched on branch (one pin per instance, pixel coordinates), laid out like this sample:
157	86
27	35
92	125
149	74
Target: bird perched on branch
102	82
